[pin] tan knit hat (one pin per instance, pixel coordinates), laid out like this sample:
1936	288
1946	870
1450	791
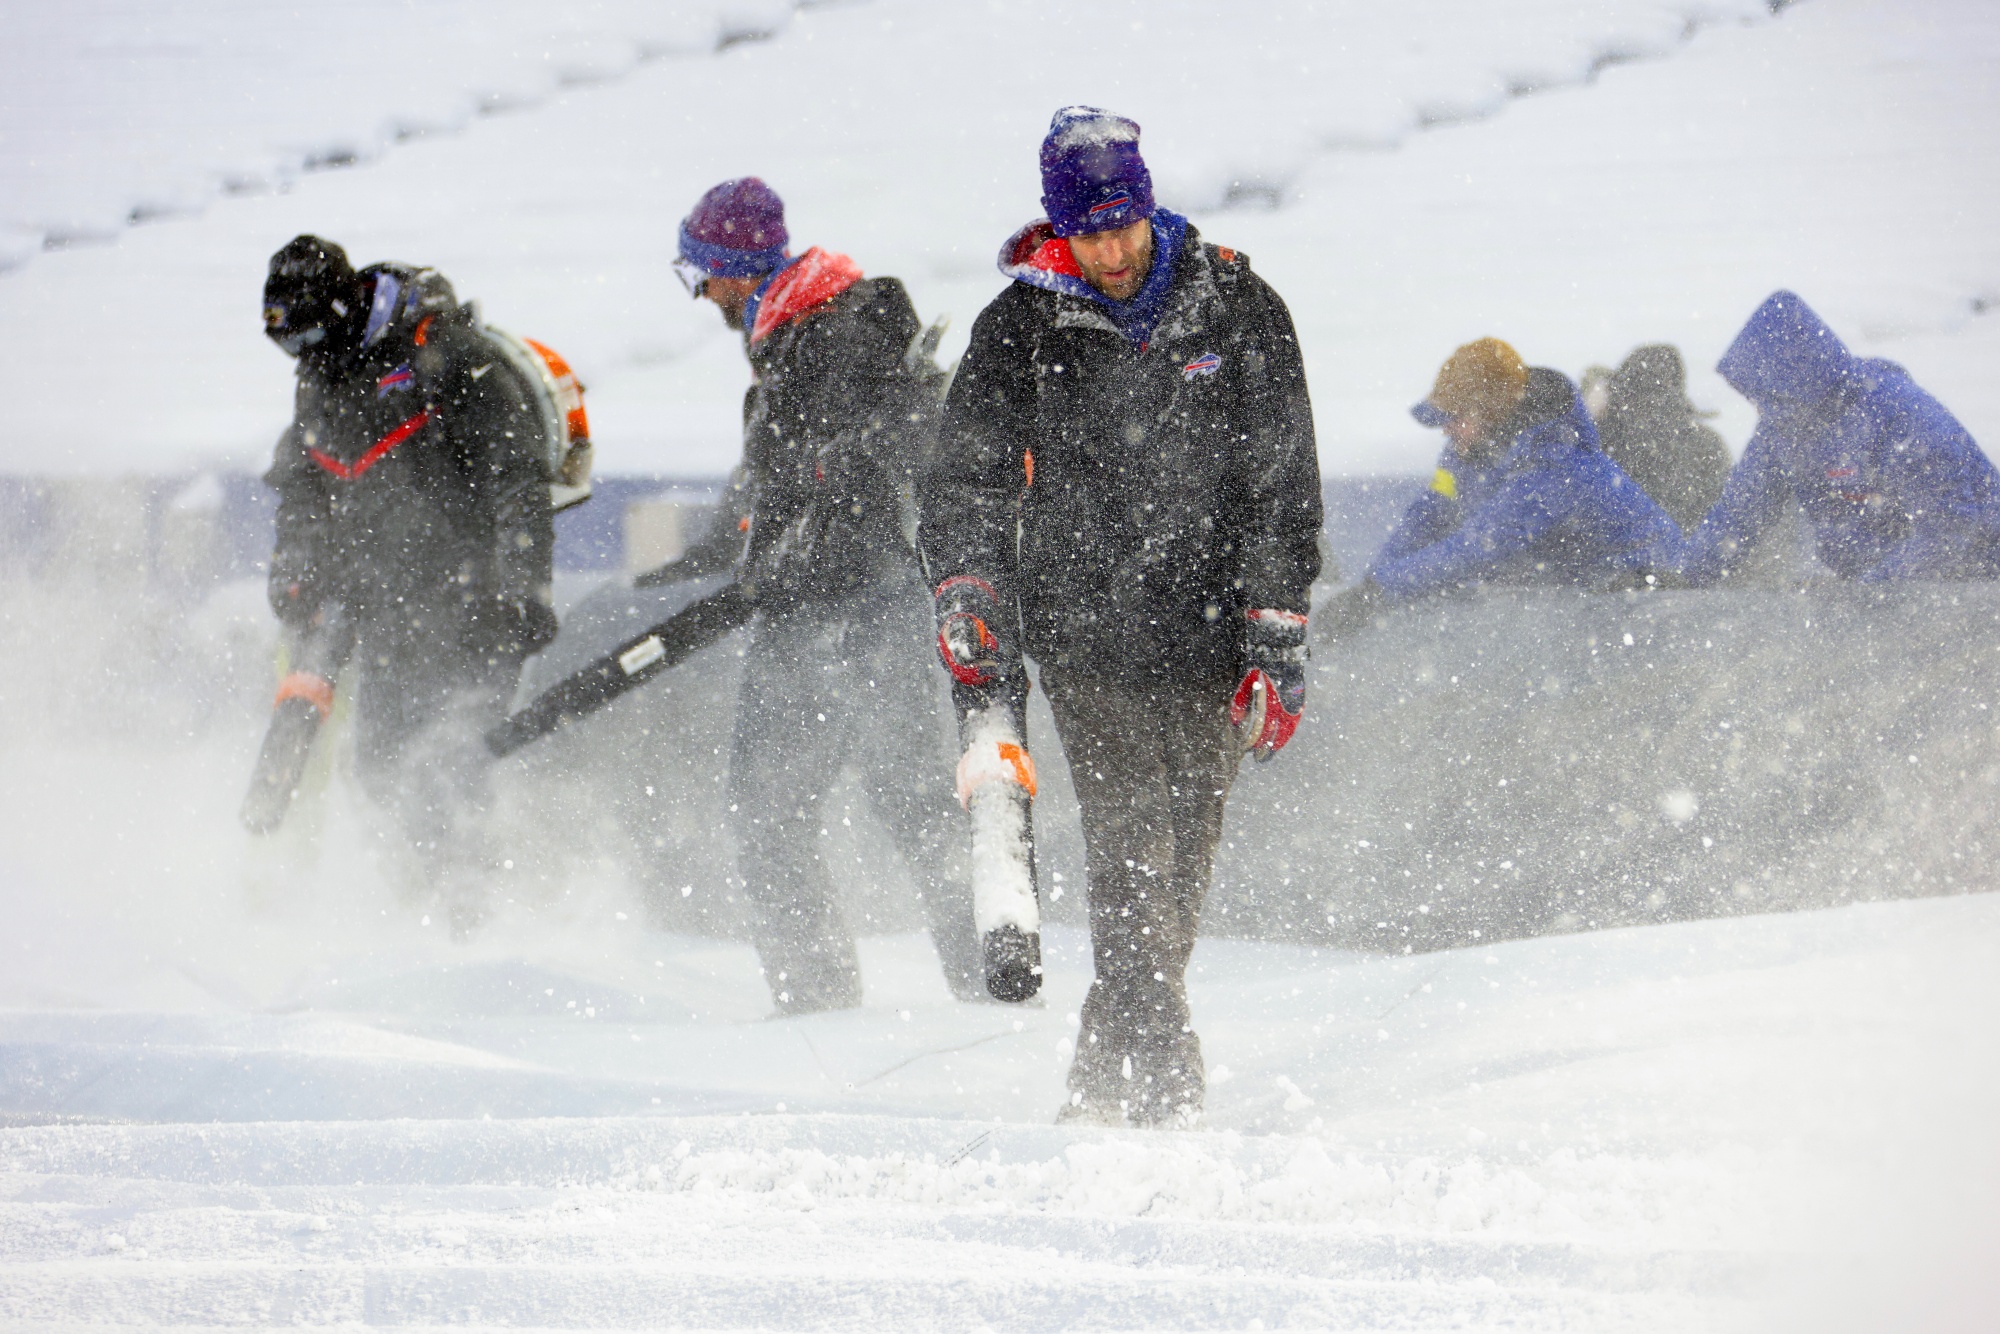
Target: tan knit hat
1484	379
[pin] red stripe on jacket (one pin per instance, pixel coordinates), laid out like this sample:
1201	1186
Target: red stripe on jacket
347	472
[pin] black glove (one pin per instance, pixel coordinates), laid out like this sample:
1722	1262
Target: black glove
1347	611
972	640
509	626
293	591
1266	707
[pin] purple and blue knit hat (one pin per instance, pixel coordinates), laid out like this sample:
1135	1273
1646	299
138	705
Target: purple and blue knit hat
1093	179
737	230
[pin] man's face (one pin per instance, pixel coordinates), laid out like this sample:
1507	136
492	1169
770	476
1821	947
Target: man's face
1471	435
1116	263
302	317
729	296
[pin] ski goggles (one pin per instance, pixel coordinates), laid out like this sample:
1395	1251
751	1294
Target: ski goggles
296	325
692	275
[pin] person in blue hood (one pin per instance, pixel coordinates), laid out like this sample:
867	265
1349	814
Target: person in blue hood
1894	486
1522	495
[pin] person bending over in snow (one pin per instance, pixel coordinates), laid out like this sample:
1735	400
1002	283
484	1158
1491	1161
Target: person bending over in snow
1522	495
1893	486
1649	429
413	498
1126	490
837	411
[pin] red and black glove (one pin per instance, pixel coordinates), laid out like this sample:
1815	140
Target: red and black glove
970	633
1266	707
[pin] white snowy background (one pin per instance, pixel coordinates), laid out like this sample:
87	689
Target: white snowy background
1577	177
245	1087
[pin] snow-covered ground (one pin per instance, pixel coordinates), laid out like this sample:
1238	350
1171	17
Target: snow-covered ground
1460	169
1777	1122
256	1084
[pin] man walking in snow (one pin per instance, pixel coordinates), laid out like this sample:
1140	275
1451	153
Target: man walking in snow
835	673
1126	490
413	502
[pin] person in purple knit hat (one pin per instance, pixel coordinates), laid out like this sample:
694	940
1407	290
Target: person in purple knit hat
732	243
1126	491
836	672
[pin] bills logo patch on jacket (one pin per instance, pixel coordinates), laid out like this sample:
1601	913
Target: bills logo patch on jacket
1208	363
400	378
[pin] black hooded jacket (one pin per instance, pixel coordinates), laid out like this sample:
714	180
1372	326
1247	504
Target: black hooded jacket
1651	431
833	429
1134	501
411	475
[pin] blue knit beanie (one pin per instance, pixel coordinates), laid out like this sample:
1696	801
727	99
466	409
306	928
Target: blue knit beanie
1093	179
737	230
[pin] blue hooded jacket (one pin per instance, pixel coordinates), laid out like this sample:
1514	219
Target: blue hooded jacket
1551	509
1894	486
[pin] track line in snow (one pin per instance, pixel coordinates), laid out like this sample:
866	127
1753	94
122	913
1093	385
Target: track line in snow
908	1061
1427	116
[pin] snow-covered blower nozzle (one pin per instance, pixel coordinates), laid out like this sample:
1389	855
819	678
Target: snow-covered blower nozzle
996	785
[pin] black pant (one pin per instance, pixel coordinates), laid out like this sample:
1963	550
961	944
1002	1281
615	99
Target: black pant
826	686
1152	767
425	697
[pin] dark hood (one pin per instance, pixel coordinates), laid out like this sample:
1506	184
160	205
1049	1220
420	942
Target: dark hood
1551	400
1651	374
1550	417
1786	356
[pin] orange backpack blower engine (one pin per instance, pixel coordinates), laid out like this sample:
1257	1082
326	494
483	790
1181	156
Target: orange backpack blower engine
565	425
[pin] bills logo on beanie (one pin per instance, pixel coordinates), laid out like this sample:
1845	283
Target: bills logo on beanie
1093	179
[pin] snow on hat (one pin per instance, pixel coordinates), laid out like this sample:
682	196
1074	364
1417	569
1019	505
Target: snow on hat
1483	379
1093	179
737	230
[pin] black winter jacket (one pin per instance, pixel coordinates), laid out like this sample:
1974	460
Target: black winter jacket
1651	431
833	429
411	476
1133	502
